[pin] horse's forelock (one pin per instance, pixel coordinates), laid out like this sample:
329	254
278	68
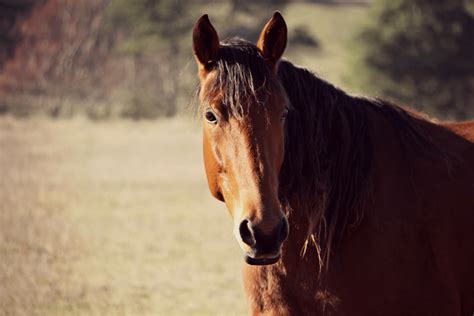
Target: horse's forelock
241	77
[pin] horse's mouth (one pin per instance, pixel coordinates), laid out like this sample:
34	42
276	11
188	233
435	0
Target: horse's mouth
261	261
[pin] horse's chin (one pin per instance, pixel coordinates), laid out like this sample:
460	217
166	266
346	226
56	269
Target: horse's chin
261	261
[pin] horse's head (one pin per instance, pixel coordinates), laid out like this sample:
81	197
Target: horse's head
244	109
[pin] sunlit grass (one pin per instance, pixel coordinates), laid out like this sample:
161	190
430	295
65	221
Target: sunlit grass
112	219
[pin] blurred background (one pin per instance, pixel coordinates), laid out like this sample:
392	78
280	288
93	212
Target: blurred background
104	207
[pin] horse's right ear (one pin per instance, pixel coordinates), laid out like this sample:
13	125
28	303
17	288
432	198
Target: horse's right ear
205	42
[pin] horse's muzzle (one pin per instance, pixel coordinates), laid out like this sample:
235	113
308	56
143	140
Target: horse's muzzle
262	248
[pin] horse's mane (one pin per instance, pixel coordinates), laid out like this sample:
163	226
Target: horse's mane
329	137
328	156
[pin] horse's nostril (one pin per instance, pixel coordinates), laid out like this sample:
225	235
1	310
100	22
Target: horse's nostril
284	230
246	233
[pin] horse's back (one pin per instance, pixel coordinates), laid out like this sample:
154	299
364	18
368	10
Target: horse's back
463	129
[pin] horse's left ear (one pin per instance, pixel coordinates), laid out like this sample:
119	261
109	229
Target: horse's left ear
272	40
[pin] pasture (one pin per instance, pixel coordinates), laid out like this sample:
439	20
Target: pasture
112	219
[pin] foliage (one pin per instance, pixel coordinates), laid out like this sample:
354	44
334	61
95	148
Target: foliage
53	52
133	58
57	40
301	36
149	26
153	34
420	52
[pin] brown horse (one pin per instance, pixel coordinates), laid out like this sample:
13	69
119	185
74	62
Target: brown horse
375	202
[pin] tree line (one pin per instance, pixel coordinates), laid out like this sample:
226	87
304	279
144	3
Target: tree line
132	59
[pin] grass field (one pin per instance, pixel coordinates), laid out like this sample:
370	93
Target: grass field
112	219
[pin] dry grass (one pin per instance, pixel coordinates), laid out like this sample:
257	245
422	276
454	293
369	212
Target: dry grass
112	219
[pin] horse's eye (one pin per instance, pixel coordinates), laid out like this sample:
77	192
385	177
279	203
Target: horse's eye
211	117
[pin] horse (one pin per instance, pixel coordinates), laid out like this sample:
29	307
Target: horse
342	204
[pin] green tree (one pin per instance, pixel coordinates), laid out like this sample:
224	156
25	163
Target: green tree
155	33
419	52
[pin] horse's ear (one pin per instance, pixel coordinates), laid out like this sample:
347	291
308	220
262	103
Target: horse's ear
272	40
205	42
